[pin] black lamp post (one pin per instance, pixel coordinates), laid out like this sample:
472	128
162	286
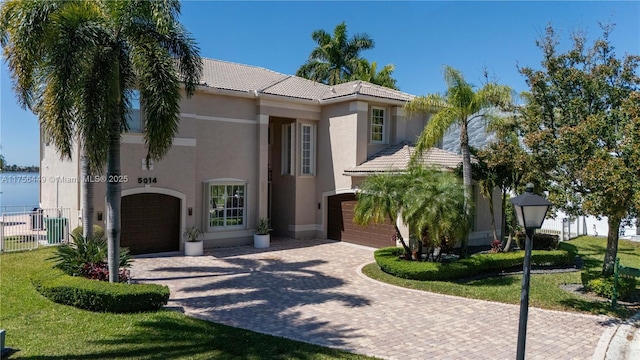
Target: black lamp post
531	210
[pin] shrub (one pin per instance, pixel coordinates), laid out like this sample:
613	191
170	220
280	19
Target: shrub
595	282
100	271
540	241
98	232
99	296
389	261
496	246
84	255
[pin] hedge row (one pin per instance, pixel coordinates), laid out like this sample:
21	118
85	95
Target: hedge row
99	296
389	261
540	241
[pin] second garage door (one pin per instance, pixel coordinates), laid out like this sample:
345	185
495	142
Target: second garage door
150	223
340	224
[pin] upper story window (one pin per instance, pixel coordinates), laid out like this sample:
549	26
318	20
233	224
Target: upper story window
377	125
134	121
307	149
226	204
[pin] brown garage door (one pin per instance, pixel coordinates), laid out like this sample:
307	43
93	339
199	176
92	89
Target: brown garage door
150	223
340	224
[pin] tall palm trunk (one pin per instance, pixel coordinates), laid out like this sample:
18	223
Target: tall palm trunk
612	245
466	179
114	191
87	197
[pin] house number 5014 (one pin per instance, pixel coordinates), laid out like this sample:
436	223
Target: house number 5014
147	180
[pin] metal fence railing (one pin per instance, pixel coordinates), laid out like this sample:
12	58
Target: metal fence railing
567	228
27	230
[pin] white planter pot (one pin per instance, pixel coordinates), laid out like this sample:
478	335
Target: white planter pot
261	241
193	248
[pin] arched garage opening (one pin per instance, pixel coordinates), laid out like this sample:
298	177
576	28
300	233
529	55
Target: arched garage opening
340	224
150	223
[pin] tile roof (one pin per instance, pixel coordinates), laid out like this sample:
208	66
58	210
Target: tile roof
395	158
231	76
365	88
246	78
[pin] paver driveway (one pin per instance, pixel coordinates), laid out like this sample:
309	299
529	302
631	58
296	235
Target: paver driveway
311	290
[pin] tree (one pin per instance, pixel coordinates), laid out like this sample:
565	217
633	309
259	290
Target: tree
368	72
75	64
581	126
337	59
486	178
459	105
434	205
429	200
381	197
507	166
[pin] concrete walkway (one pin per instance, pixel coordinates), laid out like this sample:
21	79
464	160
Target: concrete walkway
313	291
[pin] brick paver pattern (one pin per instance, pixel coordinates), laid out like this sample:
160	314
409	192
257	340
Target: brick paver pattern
312	291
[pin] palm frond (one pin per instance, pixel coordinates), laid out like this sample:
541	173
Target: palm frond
435	130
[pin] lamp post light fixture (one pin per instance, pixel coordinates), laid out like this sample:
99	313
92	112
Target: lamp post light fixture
530	210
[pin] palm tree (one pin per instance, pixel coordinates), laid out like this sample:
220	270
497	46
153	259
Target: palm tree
459	105
368	72
434	205
336	58
75	63
381	197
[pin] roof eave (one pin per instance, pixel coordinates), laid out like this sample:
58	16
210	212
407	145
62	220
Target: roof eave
352	97
370	173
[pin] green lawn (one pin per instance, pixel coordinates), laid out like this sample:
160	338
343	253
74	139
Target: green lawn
40	329
545	291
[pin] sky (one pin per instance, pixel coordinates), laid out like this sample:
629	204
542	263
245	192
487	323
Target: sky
417	37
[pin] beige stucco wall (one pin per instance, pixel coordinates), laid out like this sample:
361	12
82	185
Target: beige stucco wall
60	182
225	137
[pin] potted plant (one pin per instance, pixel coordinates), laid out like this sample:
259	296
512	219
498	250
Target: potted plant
193	246
262	239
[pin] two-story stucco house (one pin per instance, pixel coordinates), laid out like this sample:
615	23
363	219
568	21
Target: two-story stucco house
254	143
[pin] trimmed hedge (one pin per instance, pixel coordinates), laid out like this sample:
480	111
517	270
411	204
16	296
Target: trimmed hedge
540	241
389	262
594	281
99	296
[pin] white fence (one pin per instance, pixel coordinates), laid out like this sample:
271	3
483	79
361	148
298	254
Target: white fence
567	228
27	230
571	227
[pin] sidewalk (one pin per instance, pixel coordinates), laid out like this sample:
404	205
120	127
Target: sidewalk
624	342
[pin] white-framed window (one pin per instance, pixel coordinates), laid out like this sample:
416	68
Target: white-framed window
307	149
227	204
134	121
287	149
377	125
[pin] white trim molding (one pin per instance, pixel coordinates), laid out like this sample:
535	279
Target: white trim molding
138	139
217	118
290	106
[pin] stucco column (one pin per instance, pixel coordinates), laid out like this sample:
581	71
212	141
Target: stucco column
361	108
263	165
398	125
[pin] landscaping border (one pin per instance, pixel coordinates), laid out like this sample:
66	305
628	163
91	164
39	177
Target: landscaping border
389	261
